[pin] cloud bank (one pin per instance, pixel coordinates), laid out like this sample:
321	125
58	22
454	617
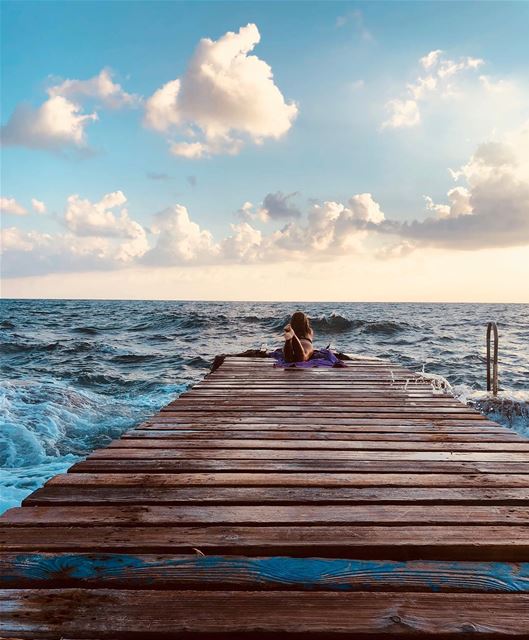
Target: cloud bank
487	208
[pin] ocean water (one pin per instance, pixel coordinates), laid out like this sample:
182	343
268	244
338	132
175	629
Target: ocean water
77	373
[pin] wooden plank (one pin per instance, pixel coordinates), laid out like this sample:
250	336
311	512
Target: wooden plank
71	611
234	435
337	424
508	543
145	453
307	479
101	495
278	514
443	413
285	466
318	445
126	571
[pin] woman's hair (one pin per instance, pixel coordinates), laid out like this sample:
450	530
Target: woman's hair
301	324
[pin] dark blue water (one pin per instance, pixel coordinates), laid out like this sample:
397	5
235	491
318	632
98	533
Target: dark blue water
76	374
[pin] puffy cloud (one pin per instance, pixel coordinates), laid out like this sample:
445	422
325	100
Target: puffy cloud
459	204
405	111
363	207
10	205
101	88
179	240
225	97
59	121
85	218
56	123
244	245
38	205
161	110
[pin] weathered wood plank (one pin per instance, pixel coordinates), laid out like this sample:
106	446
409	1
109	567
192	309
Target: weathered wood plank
274	479
47	570
146	453
277	514
343	425
234	435
508	543
384	466
101	495
315	444
71	611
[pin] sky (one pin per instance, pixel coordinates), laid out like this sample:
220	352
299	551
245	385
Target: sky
265	150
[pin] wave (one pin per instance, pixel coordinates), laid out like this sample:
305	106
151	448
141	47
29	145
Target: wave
25	347
89	331
388	327
336	323
48	425
133	358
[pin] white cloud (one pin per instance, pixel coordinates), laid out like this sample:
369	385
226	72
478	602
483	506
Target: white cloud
431	59
56	123
244	245
161	110
179	240
59	121
10	205
405	111
363	207
100	87
459	204
225	97
38	205
85	218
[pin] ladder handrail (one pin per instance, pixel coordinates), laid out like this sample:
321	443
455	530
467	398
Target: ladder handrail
492	328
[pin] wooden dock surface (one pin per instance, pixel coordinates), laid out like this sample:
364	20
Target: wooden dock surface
356	502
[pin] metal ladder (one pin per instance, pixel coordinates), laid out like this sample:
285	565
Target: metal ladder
492	381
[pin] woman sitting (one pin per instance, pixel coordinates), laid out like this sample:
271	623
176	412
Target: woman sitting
298	338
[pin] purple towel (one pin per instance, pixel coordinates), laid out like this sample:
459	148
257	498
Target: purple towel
320	358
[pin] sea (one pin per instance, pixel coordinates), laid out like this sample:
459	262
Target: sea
78	373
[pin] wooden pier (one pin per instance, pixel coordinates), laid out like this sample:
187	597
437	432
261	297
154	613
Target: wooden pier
357	502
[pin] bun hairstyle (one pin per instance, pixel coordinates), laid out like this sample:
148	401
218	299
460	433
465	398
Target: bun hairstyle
300	324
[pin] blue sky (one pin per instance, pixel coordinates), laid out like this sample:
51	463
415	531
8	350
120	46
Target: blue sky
340	63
